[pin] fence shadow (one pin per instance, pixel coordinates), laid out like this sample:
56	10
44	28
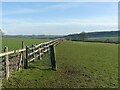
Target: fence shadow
40	68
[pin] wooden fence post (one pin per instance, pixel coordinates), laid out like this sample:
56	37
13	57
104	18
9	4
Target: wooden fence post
52	57
39	53
6	64
26	60
42	51
20	60
47	47
33	56
23	54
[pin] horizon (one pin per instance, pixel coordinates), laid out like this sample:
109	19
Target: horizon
53	34
58	18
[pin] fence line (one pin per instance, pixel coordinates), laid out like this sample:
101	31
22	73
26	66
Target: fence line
21	58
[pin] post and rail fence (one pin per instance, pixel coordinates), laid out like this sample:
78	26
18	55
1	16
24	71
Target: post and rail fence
20	59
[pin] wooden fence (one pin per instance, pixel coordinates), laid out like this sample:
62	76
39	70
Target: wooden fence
20	59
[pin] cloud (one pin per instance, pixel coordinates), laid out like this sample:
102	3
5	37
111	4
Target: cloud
56	25
55	28
104	20
65	5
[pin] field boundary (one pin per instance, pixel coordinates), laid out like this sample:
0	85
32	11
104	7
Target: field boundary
20	59
97	41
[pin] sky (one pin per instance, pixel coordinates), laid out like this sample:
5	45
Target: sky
58	18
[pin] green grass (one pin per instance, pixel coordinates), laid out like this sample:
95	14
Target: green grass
79	65
105	38
16	43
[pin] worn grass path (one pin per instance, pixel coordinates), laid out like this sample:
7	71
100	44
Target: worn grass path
79	65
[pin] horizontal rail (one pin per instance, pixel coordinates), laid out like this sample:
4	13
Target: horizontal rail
32	52
33	58
12	52
45	51
41	44
6	53
35	51
21	50
35	46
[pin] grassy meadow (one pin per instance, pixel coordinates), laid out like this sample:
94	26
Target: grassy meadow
113	39
79	65
16	43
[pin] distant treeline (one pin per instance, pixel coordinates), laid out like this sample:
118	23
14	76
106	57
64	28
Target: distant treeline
77	37
106	41
33	36
95	34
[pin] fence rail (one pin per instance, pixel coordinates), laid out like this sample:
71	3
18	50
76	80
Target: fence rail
20	59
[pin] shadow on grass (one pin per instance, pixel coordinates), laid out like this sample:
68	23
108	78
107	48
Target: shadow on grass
37	67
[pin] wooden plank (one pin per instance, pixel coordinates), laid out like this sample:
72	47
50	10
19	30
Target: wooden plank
6	53
45	50
51	44
36	46
20	50
36	51
33	58
23	54
39	51
11	52
19	63
6	64
33	50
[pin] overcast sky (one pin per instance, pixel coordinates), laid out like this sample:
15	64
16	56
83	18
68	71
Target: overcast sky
57	18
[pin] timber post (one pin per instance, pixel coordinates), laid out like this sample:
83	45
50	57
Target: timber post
26	60
52	57
23	54
33	49
6	64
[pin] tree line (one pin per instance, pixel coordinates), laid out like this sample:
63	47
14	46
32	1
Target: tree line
83	36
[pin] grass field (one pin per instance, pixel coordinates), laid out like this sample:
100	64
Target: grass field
114	39
79	65
16	43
